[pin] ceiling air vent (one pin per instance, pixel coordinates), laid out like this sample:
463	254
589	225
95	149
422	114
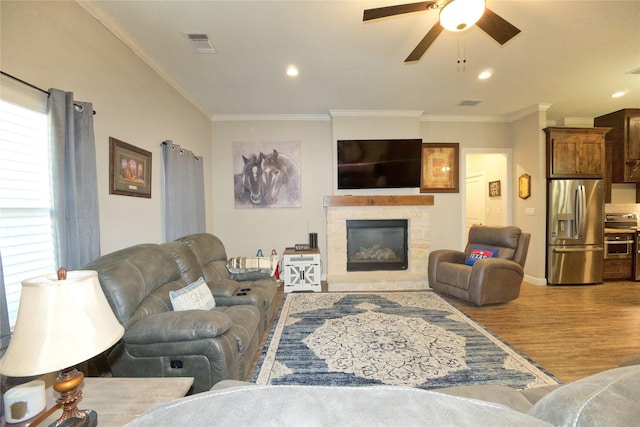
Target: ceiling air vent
201	43
469	102
636	71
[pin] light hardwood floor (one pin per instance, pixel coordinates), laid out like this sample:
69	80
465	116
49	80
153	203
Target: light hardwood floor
571	331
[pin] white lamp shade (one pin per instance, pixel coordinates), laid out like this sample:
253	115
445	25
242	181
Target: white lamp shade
60	323
458	15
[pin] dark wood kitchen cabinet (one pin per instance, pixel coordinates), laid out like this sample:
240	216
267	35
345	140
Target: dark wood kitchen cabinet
617	269
623	147
575	152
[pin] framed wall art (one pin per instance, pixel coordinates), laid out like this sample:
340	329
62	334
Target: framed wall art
266	174
129	169
494	188
524	186
440	168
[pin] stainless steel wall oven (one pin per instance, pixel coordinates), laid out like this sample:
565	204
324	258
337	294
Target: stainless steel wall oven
618	245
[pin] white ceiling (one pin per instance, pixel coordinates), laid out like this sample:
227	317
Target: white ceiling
570	54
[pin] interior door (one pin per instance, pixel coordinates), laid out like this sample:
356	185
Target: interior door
475	201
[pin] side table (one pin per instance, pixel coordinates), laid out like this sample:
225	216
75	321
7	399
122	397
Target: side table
120	400
302	270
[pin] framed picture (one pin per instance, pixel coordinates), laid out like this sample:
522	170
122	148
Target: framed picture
494	188
524	186
440	168
129	169
267	174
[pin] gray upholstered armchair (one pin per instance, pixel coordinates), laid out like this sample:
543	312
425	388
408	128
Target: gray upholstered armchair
490	280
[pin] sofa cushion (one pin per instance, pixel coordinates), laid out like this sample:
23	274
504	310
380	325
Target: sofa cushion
330	406
196	296
609	398
503	395
479	253
132	277
505	239
454	274
177	326
186	260
211	255
246	322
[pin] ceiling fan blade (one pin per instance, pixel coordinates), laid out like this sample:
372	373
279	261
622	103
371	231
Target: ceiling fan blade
381	12
424	44
497	27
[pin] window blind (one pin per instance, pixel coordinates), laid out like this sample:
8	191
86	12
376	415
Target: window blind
26	208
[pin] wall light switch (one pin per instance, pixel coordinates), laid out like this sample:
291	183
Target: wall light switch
530	211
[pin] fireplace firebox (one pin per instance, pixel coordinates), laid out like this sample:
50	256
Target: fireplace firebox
374	245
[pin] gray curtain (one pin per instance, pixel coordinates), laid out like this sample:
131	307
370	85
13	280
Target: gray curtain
5	329
75	184
184	192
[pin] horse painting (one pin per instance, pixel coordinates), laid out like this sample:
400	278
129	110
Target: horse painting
281	178
250	184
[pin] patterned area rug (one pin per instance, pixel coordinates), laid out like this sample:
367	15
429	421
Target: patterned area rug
413	339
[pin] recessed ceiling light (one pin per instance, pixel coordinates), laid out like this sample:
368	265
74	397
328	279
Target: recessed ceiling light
485	74
292	71
618	94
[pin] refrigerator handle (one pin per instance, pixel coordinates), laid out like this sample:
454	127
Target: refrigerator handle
576	210
580	211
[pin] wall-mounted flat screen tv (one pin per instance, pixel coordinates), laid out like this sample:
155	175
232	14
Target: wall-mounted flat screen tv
379	163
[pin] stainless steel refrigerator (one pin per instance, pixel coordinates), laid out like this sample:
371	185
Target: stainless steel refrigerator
575	231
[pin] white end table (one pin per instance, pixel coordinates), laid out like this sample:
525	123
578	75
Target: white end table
302	270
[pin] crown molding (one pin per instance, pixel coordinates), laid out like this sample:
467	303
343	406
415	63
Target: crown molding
270	117
459	119
376	113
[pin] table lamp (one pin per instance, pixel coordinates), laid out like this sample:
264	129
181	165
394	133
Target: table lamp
62	321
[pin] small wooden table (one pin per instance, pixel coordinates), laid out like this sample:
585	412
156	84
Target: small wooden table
120	400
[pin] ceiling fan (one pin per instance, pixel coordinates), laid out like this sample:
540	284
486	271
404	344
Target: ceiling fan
455	15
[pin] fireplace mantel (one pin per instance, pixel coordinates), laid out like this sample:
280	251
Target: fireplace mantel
337	201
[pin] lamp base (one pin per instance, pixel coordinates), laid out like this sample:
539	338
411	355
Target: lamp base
68	384
91	420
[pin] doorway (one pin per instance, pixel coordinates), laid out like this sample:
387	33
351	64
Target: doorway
475	202
484	166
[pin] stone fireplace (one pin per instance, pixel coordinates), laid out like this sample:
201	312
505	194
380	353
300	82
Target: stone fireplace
415	210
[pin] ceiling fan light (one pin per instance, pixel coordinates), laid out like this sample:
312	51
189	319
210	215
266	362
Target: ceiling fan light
458	15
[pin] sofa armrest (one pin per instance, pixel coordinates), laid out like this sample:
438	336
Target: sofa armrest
494	280
447	255
442	255
175	326
249	276
487	266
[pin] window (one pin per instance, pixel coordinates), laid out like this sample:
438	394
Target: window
26	205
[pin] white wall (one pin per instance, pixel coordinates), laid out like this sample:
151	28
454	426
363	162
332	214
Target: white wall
58	44
243	231
529	157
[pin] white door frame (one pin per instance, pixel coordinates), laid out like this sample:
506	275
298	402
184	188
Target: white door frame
506	187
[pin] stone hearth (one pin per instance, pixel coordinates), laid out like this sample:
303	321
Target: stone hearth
413	208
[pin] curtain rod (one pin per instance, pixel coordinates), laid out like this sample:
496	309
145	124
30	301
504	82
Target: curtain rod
33	86
170	142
